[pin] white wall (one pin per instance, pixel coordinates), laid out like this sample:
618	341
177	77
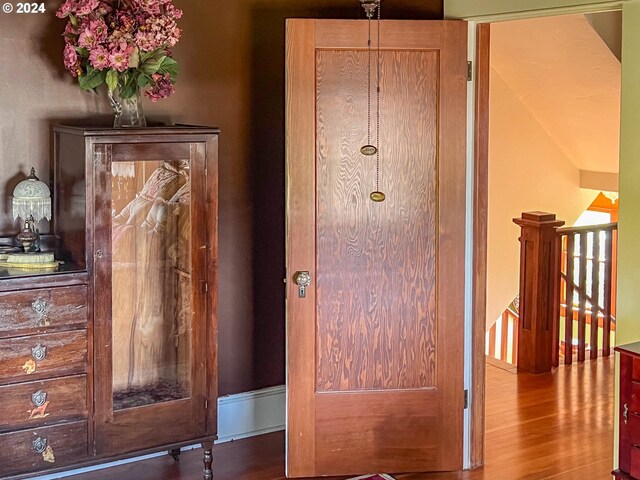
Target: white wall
527	171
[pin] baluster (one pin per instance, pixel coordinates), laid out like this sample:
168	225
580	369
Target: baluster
562	293
595	293
492	341
504	336
556	299
515	330
606	322
568	316
582	297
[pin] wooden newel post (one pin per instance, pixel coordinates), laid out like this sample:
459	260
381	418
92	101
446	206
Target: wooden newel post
540	252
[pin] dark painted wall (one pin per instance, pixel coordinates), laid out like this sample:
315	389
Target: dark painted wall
232	76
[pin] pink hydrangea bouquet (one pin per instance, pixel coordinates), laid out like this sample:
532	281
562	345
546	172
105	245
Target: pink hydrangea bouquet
125	44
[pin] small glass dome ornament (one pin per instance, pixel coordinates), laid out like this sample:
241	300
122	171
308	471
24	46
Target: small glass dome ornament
32	198
31	202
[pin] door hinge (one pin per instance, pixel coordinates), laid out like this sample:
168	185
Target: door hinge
469	71
466	399
206	404
205	287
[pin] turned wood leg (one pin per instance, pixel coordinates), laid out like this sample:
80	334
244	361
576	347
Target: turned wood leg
208	460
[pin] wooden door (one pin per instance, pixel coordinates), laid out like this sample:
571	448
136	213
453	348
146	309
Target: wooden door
375	347
150	270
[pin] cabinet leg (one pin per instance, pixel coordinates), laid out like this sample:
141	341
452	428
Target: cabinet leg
175	453
208	460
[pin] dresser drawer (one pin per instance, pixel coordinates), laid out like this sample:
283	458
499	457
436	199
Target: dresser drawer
34	311
34	404
634	471
43	356
43	448
634	401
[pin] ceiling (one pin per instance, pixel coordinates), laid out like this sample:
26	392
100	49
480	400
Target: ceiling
566	75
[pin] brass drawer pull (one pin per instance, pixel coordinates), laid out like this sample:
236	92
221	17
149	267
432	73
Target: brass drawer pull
625	413
39	398
39	306
39	353
40	445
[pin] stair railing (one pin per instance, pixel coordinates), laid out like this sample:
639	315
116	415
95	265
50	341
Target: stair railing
587	306
567	291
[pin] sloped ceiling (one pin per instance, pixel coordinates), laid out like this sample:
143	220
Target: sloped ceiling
569	79
609	27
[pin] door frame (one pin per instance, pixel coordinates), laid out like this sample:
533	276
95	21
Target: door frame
477	212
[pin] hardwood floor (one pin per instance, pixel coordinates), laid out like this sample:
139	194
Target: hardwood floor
549	426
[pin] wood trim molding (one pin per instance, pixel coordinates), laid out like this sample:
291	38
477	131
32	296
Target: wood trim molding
496	15
300	210
480	212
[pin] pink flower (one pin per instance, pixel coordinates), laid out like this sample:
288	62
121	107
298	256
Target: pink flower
71	60
122	45
65	9
85	7
99	29
162	87
99	58
157	32
87	39
70	31
103	9
172	11
152	7
127	22
119	60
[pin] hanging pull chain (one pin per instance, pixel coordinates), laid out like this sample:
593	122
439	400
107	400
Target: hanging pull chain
369	149
377	195
378	109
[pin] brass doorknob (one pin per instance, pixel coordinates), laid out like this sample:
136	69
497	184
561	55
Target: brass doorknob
303	280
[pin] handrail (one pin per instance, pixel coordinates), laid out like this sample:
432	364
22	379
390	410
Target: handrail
587	228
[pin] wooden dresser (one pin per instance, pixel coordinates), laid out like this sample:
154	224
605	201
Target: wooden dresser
115	353
629	420
45	371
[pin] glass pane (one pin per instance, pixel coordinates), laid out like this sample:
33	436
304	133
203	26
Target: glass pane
151	290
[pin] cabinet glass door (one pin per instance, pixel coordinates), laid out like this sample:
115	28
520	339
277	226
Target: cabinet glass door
151	282
151	303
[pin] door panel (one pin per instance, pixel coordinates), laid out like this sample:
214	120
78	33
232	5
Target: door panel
405	441
375	358
385	251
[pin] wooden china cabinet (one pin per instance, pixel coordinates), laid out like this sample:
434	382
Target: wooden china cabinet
629	413
115	353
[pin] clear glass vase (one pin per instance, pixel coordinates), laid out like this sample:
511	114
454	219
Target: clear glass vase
127	111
